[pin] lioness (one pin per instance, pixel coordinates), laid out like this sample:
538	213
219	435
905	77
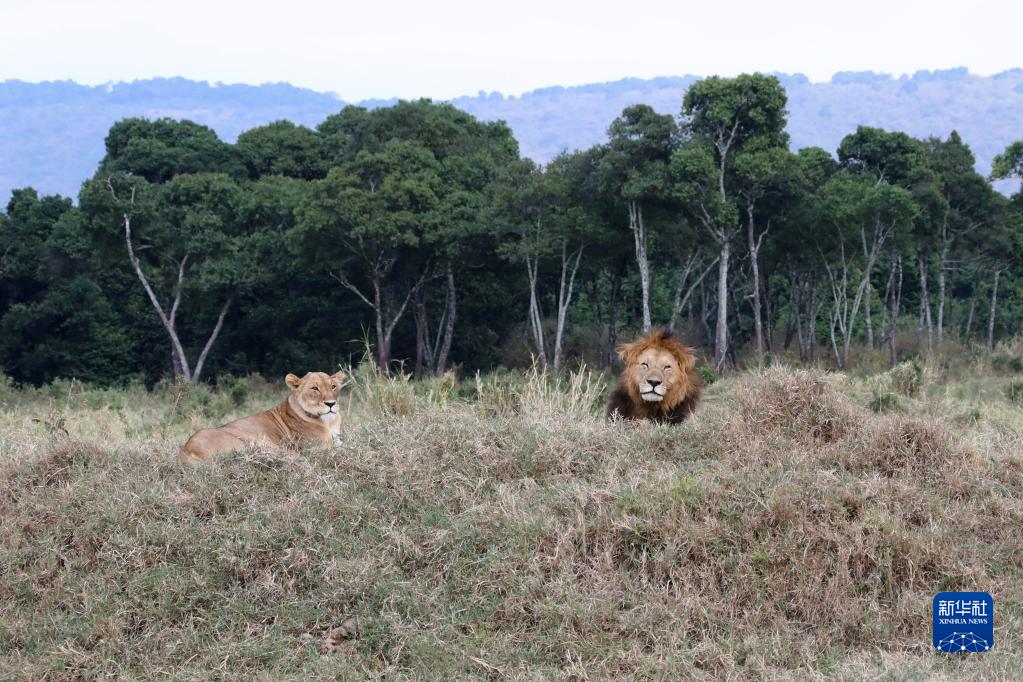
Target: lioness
658	382
309	415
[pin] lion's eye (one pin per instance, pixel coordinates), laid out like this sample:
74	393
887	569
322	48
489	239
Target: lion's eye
644	365
333	387
667	368
316	389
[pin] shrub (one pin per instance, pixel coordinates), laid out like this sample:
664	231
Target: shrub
883	400
235	388
1014	392
907	377
707	374
1005	361
8	392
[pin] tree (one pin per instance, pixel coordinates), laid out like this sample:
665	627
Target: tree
282	148
896	159
469	154
158	150
185	233
55	319
542	220
794	240
765	178
1008	164
720	118
968	203
635	167
366	220
863	217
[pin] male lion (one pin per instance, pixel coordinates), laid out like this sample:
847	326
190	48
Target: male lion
658	382
309	415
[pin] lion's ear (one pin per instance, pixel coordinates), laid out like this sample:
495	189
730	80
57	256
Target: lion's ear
686	359
339	376
292	381
626	351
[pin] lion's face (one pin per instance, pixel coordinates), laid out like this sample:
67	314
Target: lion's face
316	393
657	369
653	374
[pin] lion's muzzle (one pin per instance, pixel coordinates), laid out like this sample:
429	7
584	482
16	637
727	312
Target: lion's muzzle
652	390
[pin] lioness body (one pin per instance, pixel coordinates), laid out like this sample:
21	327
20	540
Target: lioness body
309	416
659	382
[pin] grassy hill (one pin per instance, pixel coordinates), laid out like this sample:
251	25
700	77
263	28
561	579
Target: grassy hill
498	528
51	134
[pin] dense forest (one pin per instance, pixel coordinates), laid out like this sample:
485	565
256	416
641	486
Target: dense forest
422	232
51	133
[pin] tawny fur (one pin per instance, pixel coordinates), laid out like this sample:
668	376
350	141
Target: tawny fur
671	365
303	418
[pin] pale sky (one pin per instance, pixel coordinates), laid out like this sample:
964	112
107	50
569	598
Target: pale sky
446	48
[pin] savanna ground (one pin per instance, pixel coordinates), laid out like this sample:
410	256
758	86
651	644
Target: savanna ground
497	527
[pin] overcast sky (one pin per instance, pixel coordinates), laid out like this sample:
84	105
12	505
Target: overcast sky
445	48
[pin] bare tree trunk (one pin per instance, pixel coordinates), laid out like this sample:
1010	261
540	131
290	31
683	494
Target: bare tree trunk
383	342
754	251
942	265
847	315
815	310
721	331
969	316
941	305
197	372
867	315
180	360
384	320
535	318
925	302
834	345
639	234
871	255
168	324
689	315
568	271
791	320
884	306
896	301
796	302
177	371
448	322
708	334
422	333
991	315
737	326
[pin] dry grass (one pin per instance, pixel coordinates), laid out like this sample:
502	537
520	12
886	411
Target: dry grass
498	528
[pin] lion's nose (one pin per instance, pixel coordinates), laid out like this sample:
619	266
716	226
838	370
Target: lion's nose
330	403
654	383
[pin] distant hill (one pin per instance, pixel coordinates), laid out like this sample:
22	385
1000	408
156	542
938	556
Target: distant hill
51	134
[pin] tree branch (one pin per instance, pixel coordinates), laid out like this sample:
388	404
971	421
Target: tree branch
213	337
340	277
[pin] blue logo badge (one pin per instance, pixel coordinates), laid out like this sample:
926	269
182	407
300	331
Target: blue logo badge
963	621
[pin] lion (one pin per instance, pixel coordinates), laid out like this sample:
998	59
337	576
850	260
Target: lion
658	382
309	415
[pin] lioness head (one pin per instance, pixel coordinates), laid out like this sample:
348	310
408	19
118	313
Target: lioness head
317	392
657	368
